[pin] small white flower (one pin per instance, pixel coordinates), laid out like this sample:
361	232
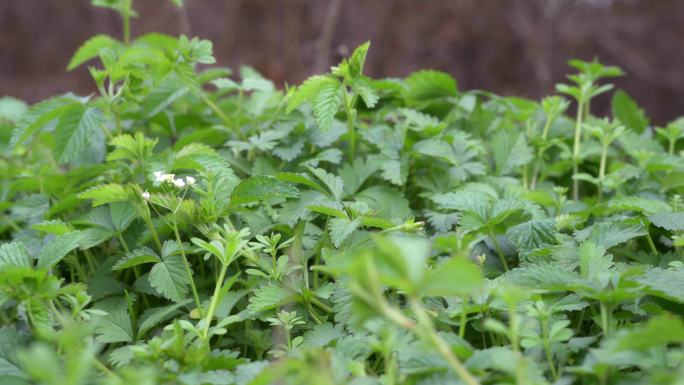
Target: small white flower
189	180
179	183
146	195
161	177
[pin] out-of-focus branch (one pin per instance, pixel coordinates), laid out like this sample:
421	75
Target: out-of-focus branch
329	26
184	20
635	63
231	10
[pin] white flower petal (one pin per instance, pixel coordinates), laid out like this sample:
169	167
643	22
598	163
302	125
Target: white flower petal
158	175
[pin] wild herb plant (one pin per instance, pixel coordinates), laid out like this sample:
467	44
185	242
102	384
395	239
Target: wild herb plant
190	225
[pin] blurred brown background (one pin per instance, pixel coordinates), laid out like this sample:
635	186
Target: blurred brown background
514	47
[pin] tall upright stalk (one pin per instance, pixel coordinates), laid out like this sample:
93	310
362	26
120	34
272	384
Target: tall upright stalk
576	149
214	299
540	153
195	295
126	16
350	101
602	171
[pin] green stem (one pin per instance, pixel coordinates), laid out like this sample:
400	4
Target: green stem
126	15
101	367
605	319
464	317
187	266
499	251
549	356
580	319
651	244
90	260
321	305
226	120
117	121
148	221
351	117
540	153
513	329
441	345
123	242
317	253
106	132
602	171
313	313
576	149
276	114
131	311
214	299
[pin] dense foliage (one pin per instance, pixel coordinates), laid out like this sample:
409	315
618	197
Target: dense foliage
188	225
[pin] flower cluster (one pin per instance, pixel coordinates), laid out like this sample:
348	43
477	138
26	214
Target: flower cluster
160	177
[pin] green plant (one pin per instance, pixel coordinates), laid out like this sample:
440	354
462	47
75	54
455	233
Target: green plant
191	225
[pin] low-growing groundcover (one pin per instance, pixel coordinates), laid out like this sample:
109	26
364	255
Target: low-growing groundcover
190	225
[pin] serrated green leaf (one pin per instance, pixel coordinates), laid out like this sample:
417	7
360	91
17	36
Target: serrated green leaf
545	276
509	151
668	221
76	126
107	193
455	277
389	203
358	59
609	234
593	260
9	370
133	148
154	316
628	112
429	84
115	326
640	204
170	89
38	116
54	226
57	248
301	179
261	187
666	283
393	169
266	298
91	49
334	183
660	330
12	109
364	88
354	175
341	229
137	257
170	279
327	210
308	90
326	103
14	254
533	234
